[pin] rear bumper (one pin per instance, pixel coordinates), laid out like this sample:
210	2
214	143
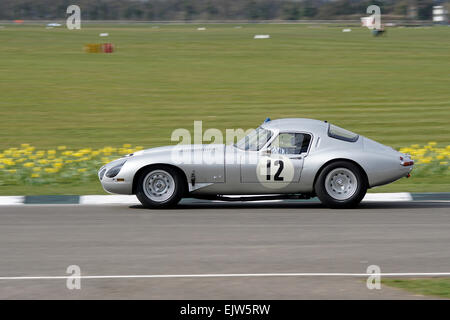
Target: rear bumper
388	174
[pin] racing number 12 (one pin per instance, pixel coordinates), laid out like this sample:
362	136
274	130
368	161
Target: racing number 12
276	177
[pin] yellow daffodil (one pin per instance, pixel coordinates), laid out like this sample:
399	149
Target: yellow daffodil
60	159
9	162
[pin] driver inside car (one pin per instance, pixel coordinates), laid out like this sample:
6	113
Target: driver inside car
287	143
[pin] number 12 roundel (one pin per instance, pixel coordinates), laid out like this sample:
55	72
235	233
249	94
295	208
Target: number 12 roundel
277	176
275	172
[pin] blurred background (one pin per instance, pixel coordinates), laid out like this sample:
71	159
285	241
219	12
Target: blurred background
66	111
183	10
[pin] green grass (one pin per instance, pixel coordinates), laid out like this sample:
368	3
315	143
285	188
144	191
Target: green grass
439	287
394	89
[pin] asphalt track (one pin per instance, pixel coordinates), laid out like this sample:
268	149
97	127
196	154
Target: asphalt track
220	238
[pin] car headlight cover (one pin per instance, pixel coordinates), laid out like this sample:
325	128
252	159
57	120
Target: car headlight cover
114	171
102	173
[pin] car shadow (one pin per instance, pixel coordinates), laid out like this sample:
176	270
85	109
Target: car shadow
295	204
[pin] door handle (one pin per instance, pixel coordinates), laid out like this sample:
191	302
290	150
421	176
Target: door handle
299	158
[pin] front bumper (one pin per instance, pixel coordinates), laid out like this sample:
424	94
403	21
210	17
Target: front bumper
120	184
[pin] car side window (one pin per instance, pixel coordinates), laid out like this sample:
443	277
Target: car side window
290	143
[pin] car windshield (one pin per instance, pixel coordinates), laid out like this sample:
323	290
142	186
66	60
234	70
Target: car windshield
255	140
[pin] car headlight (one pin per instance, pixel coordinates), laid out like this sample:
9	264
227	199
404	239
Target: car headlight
102	173
114	171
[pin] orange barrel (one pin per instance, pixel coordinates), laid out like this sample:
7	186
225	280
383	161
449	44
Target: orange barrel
93	48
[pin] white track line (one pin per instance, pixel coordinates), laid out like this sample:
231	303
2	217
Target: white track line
235	275
109	199
11	200
387	197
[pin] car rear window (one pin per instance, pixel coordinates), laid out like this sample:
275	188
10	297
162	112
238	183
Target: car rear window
341	134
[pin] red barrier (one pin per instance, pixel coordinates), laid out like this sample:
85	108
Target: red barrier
108	48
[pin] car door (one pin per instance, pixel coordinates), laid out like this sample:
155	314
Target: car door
280	162
208	163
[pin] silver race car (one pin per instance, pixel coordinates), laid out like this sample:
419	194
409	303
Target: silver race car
285	158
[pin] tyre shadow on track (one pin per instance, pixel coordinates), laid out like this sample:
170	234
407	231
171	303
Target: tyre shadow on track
204	204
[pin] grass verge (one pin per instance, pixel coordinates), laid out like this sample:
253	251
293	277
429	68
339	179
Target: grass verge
439	287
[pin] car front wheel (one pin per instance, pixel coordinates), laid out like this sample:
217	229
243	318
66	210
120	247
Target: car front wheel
341	184
159	187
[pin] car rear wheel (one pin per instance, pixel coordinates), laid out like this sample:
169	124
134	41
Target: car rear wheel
159	187
341	184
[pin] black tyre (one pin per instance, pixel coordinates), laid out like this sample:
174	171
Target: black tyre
341	184
160	187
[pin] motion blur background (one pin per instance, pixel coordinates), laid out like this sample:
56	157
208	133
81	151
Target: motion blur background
183	10
65	112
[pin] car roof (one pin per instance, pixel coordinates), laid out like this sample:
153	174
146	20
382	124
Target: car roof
296	124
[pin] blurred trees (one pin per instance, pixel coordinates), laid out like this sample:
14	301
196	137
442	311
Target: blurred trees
209	9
